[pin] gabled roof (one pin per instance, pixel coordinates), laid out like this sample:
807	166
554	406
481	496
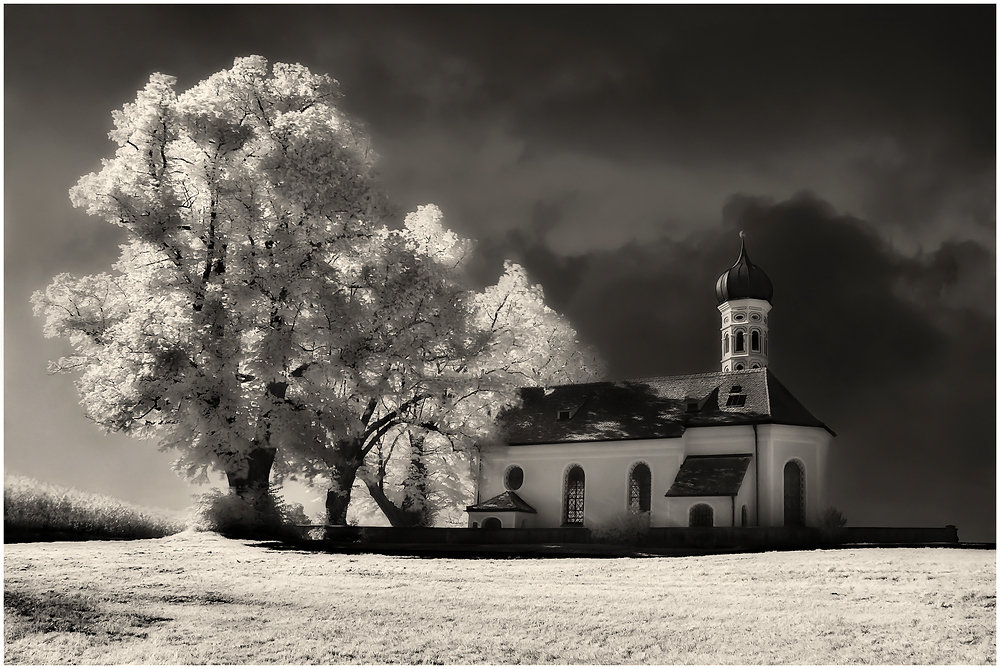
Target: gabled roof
661	407
505	501
710	476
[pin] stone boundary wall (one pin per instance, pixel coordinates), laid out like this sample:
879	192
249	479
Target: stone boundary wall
722	538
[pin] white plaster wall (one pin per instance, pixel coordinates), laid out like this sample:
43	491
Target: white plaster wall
508	519
778	445
606	466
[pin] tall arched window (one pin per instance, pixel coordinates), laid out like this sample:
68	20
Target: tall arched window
795	508
725	343
574	493
701	515
740	345
755	340
639	486
743	516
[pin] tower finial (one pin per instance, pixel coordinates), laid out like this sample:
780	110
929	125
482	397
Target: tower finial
743	235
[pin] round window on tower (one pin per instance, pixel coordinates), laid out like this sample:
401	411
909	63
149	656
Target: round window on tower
739	317
513	478
739	367
755	316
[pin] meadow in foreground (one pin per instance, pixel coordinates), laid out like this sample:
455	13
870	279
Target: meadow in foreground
196	598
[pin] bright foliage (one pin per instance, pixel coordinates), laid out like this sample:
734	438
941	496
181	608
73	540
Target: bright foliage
263	311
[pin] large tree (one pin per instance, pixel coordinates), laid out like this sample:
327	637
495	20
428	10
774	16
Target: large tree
248	201
263	314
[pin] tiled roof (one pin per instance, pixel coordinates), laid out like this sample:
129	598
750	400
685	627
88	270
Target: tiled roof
710	476
505	501
651	408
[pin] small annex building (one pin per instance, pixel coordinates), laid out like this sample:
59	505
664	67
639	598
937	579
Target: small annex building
726	448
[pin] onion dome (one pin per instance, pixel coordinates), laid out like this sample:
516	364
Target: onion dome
743	280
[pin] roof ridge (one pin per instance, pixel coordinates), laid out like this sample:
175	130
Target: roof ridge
700	375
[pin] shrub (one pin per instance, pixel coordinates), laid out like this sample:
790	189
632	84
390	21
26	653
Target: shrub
41	511
264	516
832	519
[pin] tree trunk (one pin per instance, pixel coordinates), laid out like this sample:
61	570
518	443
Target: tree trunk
396	516
254	482
338	498
252	485
415	485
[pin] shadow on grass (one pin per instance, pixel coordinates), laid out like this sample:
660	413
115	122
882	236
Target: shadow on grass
26	614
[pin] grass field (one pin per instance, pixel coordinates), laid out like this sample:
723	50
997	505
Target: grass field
196	598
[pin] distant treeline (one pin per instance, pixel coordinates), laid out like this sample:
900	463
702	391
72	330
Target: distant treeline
35	511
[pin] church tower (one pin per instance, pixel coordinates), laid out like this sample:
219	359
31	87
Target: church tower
744	293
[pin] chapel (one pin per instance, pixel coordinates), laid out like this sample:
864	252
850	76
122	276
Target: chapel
726	448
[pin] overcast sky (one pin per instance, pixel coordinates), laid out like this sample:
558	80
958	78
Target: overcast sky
616	153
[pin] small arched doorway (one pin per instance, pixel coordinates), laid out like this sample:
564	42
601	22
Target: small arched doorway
795	508
701	515
492	524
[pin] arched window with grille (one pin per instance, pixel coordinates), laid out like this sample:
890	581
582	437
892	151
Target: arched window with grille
639	487
795	508
574	496
701	515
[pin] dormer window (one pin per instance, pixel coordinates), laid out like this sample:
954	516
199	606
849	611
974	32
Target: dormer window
736	397
564	414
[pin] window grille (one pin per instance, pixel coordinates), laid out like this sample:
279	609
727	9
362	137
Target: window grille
639	488
575	484
701	515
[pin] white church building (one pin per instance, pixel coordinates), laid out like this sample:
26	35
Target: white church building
727	448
